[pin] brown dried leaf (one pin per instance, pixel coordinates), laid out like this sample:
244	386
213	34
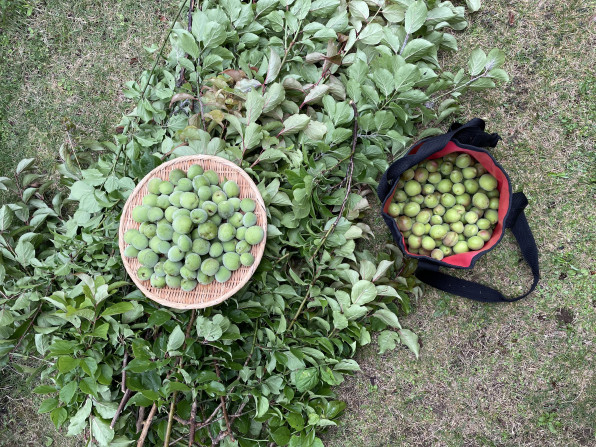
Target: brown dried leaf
181	97
236	75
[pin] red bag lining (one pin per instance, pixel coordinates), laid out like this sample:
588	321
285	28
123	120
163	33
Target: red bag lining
465	259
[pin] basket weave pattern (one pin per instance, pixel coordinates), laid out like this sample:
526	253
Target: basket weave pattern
203	295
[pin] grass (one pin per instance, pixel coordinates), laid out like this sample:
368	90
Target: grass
488	375
63	68
516	374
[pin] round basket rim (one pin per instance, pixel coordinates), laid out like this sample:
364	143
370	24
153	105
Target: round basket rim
201	290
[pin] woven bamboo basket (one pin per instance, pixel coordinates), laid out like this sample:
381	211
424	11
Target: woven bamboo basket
203	295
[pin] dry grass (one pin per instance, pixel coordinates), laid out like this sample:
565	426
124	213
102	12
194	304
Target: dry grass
63	69
20	425
488	373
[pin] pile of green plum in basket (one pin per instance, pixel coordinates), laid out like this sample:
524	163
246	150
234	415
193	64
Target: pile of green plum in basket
446	206
194	229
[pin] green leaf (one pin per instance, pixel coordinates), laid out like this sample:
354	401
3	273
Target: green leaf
67	363
262	406
159	318
208	329
118	308
347	365
48	405
101	431
413	97
410	339
387	341
416	49
406	76
187	43
273	67
25	252
384	81
79	420
44	389
316	93
106	410
499	74
176	339
305	379
323	8
24	164
394	13
213	36
387	317
382	268
495	59
88	386
315	130
68	391
358	10
6	215
6	318
473	5
254	106
477	62
252	136
274	96
384	120
295	124
59	416
101	331
415	16
281	435
371	34
363	292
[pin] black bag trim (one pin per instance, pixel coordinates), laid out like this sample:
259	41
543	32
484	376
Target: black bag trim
468	136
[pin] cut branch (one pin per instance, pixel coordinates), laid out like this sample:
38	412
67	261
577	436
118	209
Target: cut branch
146	426
123	402
189	27
140	419
124	363
228	430
193	417
166	441
348	186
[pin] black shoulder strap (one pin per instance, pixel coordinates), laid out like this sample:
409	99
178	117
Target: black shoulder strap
471	133
517	222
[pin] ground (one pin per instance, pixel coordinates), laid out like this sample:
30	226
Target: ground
62	69
516	374
488	375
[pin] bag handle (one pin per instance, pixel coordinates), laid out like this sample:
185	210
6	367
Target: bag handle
517	222
471	133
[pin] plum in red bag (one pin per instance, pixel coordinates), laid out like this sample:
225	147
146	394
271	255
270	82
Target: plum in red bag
504	209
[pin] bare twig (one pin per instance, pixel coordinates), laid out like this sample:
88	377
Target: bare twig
140	419
166	441
176	441
189	28
26	330
124	363
403	47
159	55
193	417
314	279
123	402
163	157
146	425
223	407
348	186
